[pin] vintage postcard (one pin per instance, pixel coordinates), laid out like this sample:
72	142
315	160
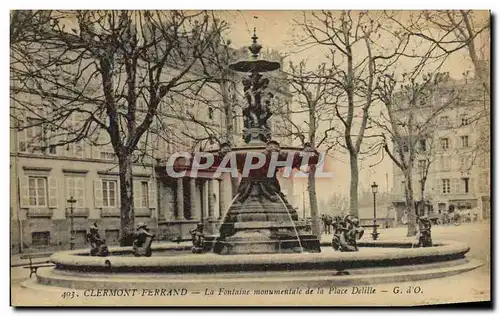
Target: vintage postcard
249	158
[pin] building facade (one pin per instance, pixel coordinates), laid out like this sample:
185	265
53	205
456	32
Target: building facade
455	148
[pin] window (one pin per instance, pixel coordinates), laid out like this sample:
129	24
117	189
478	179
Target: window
109	193
112	236
37	191
465	141
52	150
80	237
40	238
211	113
464	163
484	183
466	184
464	119
144	194
445	143
444	121
77	150
444	163
75	187
33	136
422	145
445	184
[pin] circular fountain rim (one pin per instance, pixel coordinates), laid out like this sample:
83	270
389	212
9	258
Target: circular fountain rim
80	259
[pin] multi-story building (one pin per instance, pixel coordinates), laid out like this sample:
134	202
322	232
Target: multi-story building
454	149
43	180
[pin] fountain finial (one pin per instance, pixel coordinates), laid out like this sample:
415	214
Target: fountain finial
255	47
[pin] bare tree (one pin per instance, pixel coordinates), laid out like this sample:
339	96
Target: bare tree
412	113
354	59
313	103
115	70
337	204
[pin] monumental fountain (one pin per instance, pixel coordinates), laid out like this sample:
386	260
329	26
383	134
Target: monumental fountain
261	242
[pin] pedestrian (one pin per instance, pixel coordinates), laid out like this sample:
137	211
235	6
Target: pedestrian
328	224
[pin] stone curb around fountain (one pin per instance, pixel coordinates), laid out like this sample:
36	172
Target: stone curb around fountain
79	260
47	279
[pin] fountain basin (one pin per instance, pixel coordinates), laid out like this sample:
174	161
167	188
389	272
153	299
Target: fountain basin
398	253
174	266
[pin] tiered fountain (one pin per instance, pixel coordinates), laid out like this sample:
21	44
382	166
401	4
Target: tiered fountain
259	221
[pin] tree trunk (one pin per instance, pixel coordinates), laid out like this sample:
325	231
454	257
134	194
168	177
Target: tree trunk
410	205
126	200
228	120
353	190
313	203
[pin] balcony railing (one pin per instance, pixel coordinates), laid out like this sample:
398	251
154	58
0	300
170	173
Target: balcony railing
110	212
77	212
142	212
39	212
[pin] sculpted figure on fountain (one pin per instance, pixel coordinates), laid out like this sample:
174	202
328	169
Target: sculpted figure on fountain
197	238
257	112
143	240
98	246
346	233
424	232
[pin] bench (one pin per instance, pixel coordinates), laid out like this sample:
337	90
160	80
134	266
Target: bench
33	266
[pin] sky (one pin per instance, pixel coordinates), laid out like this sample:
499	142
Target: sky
276	32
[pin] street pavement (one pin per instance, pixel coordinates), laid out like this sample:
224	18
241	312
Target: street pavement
473	285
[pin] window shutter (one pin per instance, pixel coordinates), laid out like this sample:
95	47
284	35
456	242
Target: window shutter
95	152
436	188
455	186
50	139
24	191
53	191
98	193
137	194
21	140
472	187
68	185
482	184
152	194
80	191
118	195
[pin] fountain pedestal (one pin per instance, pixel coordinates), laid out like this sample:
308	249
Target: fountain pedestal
260	225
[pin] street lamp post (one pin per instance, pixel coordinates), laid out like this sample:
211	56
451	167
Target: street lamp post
71	202
421	169
374	191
